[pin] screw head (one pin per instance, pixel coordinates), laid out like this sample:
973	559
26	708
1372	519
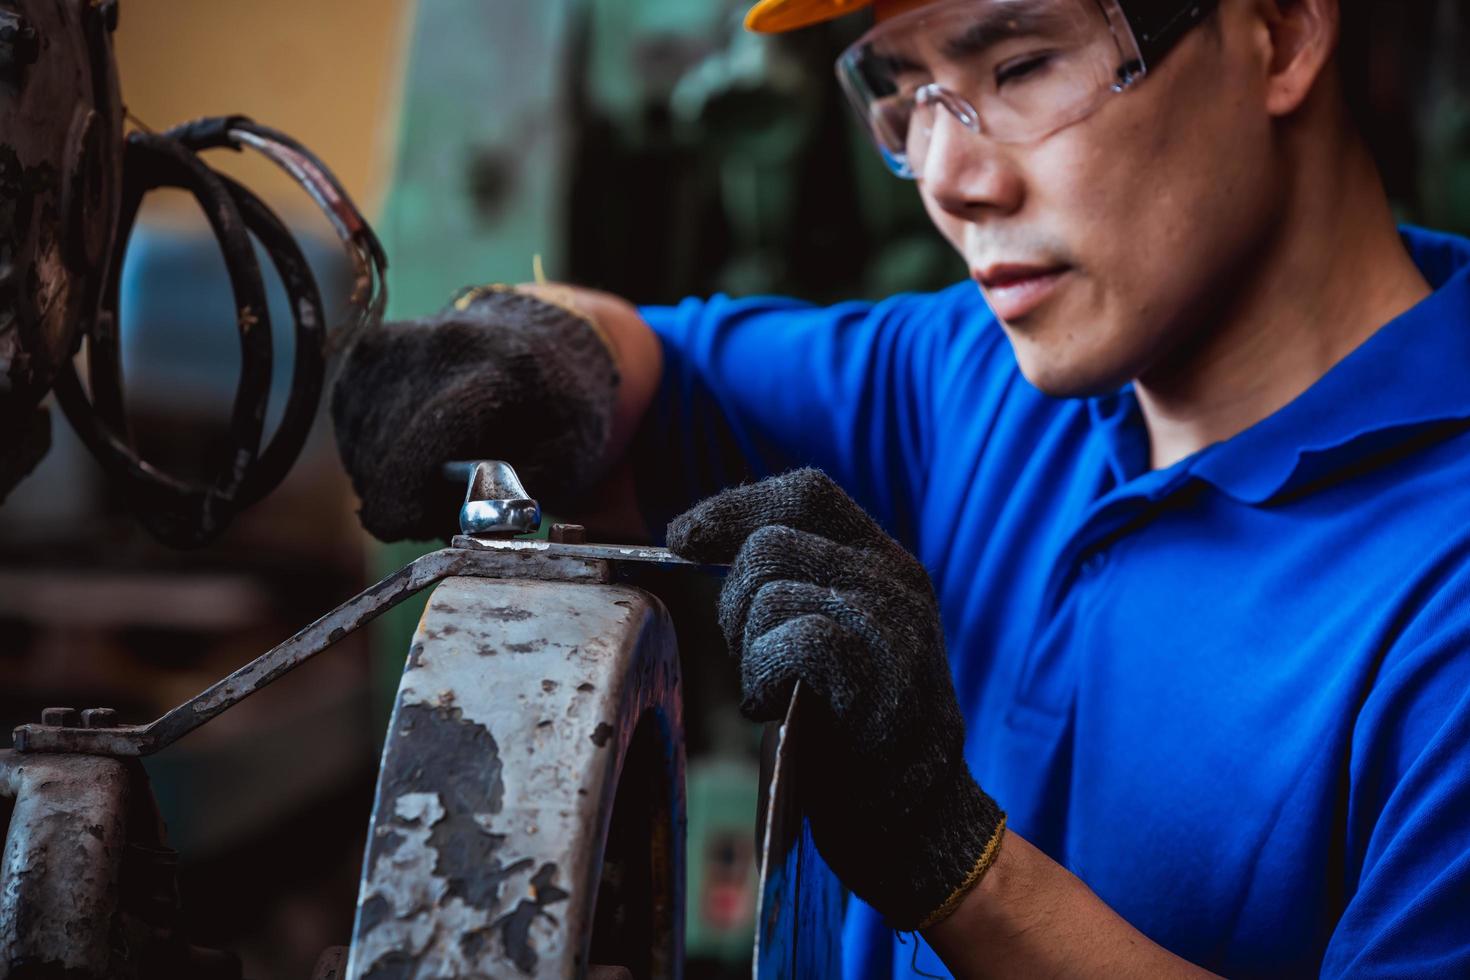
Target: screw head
59	717
99	718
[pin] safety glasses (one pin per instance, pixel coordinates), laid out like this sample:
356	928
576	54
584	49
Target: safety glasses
1012	71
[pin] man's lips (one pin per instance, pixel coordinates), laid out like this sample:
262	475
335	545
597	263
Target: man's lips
1015	290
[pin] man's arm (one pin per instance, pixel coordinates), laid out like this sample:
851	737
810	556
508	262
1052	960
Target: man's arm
634	348
612	506
1030	917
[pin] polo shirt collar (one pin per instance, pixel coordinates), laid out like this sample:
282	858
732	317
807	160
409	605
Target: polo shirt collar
1412	374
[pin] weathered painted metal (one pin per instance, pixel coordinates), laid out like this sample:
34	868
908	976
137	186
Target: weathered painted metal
799	916
588	563
59	877
530	812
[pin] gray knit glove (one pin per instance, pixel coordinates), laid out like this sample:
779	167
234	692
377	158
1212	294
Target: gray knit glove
498	375
817	592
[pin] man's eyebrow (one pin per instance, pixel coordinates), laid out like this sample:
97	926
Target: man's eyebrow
996	25
1004	23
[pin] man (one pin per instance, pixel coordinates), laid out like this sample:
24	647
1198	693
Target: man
1189	472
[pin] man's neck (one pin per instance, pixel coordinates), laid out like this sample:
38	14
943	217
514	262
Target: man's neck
1335	271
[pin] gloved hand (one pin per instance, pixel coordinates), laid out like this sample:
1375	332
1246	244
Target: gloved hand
817	592
498	375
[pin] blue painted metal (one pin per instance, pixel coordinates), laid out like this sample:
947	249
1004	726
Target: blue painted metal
799	919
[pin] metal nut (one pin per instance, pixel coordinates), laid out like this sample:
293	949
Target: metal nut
59	717
99	718
567	534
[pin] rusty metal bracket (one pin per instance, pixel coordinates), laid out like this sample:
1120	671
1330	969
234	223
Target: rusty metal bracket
542	560
59	876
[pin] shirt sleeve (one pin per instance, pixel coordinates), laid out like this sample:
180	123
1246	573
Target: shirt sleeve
754	387
1408	837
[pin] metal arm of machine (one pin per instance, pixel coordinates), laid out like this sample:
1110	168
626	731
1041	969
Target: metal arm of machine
592	563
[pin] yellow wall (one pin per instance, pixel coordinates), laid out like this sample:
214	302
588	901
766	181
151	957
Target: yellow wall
324	71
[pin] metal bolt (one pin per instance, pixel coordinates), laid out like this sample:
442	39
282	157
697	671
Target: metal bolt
567	534
99	718
59	717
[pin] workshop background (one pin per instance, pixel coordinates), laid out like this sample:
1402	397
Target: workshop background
648	147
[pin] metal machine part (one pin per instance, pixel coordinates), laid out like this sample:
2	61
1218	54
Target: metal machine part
88	884
529	819
799	911
61	122
495	503
70	190
530	810
482	557
593	564
51	868
188	513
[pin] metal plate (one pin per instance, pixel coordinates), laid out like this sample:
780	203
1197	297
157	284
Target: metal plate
799	916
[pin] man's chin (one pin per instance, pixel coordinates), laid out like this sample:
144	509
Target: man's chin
1070	378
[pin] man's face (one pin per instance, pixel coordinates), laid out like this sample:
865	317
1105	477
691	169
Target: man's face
1107	248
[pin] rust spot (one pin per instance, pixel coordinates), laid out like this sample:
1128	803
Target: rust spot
526	647
601	735
548	686
336	635
587	687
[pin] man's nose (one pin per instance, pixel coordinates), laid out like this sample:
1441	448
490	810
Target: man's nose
967	174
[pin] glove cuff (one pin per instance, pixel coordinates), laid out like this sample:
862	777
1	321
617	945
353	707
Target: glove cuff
982	864
956	835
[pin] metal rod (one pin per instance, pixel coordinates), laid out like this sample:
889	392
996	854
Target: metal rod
472	558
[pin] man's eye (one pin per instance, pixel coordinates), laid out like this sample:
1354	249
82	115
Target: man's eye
1019	68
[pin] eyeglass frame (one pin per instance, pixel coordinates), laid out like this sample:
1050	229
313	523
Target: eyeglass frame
1154	29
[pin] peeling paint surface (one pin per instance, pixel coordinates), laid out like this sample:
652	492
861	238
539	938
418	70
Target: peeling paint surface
59	870
499	772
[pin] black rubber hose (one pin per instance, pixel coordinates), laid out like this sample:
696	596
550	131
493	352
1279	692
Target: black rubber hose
179	512
309	366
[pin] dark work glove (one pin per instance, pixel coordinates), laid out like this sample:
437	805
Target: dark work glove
817	592
499	375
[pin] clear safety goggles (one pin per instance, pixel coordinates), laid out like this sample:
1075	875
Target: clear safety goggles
1012	71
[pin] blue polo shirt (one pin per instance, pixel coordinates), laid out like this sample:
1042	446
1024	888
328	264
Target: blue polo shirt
1232	696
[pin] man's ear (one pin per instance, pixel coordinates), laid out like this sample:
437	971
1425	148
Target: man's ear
1303	36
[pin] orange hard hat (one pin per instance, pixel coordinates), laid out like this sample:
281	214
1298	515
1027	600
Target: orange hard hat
776	16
